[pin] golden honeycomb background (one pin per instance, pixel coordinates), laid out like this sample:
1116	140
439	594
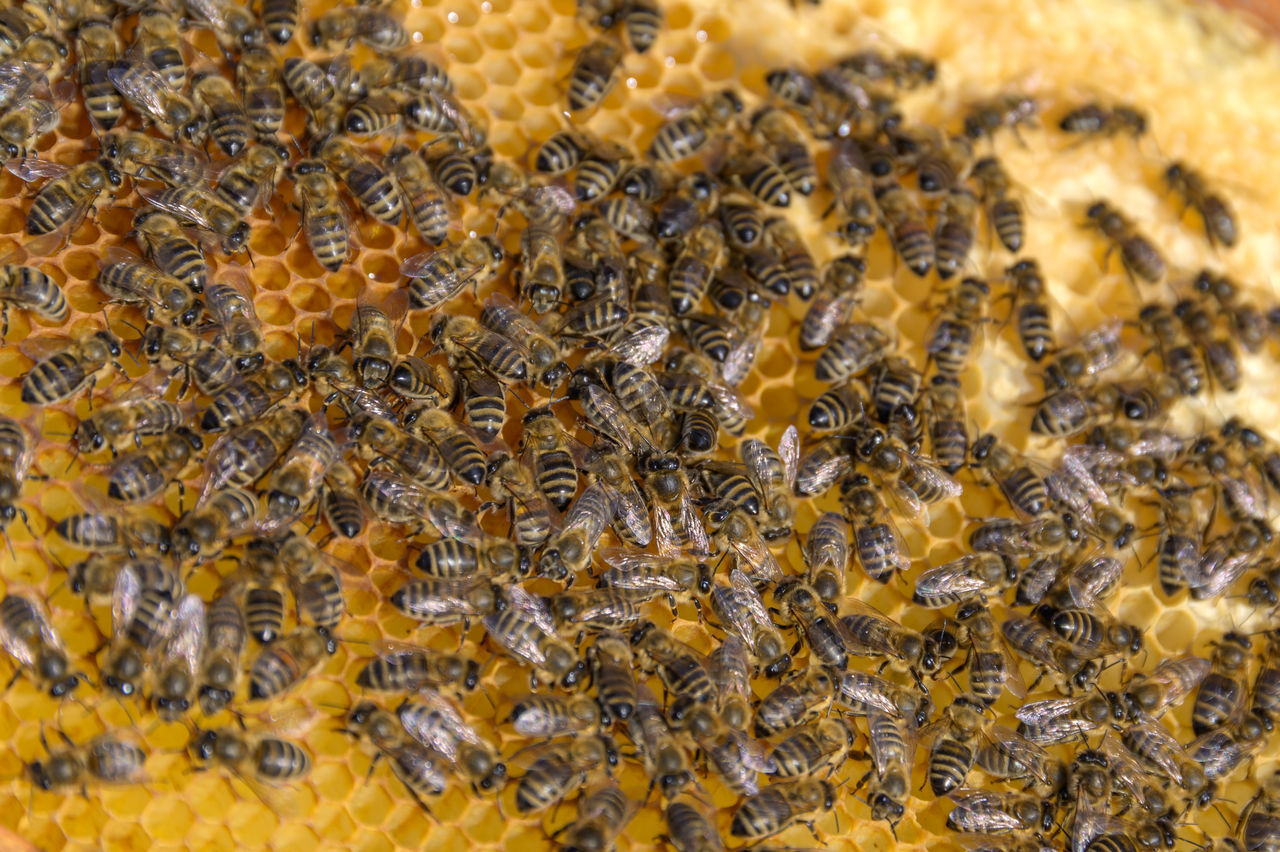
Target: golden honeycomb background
1212	86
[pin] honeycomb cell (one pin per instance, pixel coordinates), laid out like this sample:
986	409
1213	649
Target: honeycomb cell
250	823
166	822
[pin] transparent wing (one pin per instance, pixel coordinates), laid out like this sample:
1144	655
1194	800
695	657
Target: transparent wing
643	346
611	414
143	86
747	593
33	168
186	637
171	203
532	606
664	532
789	452
124	598
953	578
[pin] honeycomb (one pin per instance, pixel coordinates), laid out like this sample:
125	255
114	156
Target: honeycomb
1207	77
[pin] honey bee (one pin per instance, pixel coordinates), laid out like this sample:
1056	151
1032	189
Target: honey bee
148	92
229	300
603	813
986	811
377	29
145	473
1221	695
435	722
261	91
312	88
798	701
28	636
167	246
780	805
324	216
373	188
613	673
419	768
219	516
406	668
1037	643
285	662
905	224
27	288
437	276
114	533
205	210
787	147
683	671
992	668
987	116
665	760
76	365
140	624
555	769
227	121
569	550
225	638
740	609
1004	212
526	630
175	678
953	236
98	48
158	40
255	758
112	758
892	749
236	28
62	203
251	179
1137	254
851	183
691	829
511	482
689	132
736	758
131	281
1094	119
594	73
428	208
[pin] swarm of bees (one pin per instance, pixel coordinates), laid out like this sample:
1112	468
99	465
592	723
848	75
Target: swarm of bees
563	450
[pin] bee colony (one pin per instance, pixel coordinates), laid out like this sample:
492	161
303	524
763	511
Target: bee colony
637	424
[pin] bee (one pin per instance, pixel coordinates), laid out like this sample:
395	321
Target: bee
1094	119
135	282
687	133
642	22
1003	211
62	203
814	748
956	744
406	668
631	520
205	210
145	473
677	525
419	768
225	635
415	379
140	624
558	768
913	480
992	668
27	288
603	813
801	700
906	227
324	218
235	27
24	123
437	276
379	438
284	663
373	188
892	750
683	671
526	630
1137	254
113	533
484	403
755	173
428	208
255	758
546	442
377	29
1244	318
953	237
1042	647
854	194
435	722
780	805
279	20
98	48
739	609
297	480
75	366
511	482
458	448
570	549
792	86
28	636
1154	745
613	673
594	74
148	92
826	553
773	474
245	400
960	579
1221	695
987	116
787	147
310	86
549	716
261	90
1265	696
852	348
251	179
691	829
112	758
157	39
665	760
985	811
141	156
176	676
167	246
228	123
1219	353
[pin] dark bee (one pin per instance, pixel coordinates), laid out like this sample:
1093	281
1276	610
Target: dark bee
1094	119
688	133
1138	256
1003	211
985	117
595	70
